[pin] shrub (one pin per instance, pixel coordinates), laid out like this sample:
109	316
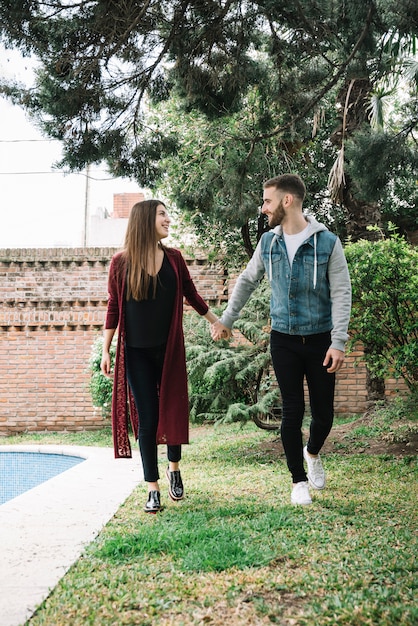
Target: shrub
231	380
384	276
100	386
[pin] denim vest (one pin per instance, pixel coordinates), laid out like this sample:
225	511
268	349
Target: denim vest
300	295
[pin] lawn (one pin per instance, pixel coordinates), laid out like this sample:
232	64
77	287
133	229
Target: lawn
236	552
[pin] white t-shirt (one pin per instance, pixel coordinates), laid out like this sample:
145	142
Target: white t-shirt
294	241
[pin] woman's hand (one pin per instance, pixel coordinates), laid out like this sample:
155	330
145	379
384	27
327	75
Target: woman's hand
107	342
105	365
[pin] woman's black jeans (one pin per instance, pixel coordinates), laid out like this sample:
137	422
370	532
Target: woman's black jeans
294	358
144	368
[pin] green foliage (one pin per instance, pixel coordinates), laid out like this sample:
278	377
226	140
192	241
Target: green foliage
383	163
99	385
256	84
400	200
376	158
216	177
232	381
384	277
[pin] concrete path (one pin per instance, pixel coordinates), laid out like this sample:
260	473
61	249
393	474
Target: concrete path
44	531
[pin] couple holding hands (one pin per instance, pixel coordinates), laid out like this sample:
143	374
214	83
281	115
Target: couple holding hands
310	310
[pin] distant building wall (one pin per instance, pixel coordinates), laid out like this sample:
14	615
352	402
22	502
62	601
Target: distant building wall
52	307
108	230
105	232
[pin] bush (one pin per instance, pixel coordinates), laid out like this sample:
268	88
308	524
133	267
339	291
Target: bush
100	386
384	276
231	381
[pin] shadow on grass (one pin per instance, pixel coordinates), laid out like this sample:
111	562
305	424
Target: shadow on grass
203	541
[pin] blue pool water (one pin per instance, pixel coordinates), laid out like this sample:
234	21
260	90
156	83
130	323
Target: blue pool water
21	471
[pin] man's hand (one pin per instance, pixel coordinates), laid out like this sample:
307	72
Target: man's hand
219	331
334	359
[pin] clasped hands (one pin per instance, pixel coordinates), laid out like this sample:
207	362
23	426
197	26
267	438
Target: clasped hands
219	331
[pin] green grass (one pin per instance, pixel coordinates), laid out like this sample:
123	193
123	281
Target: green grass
236	552
101	438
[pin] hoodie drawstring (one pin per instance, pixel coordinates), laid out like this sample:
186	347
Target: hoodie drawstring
315	271
273	239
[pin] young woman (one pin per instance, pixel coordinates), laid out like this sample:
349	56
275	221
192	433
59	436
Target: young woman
147	284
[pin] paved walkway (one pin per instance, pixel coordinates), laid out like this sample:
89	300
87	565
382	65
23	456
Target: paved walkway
44	531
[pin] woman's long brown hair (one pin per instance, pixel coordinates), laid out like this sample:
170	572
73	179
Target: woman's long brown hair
140	247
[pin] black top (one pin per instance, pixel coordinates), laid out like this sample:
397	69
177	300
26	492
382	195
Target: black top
147	322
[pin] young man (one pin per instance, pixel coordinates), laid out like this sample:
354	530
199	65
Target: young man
310	310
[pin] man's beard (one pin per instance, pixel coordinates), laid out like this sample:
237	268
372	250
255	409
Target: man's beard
277	216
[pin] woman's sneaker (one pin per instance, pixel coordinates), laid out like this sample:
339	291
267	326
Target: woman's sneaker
300	493
316	473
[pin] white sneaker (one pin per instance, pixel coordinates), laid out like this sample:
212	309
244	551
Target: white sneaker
316	473
300	493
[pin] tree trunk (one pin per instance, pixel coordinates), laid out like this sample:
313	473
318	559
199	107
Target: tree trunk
262	227
360	215
245	234
353	100
375	387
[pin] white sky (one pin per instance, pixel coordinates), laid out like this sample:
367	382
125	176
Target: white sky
40	207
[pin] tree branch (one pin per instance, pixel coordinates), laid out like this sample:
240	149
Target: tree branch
319	96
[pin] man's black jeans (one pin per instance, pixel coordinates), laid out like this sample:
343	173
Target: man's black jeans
144	368
294	358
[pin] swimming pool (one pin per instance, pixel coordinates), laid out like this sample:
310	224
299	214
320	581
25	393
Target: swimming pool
22	471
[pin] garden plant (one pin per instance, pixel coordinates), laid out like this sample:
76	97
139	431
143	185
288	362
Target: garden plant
384	276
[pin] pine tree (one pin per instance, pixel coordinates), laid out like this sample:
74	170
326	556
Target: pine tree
103	62
233	380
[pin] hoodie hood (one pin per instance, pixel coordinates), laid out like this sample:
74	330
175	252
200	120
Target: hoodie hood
314	227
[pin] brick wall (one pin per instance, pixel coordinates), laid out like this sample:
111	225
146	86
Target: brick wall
44	379
52	307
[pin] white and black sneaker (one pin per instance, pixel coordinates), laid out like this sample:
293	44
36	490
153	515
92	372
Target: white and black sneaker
300	493
316	473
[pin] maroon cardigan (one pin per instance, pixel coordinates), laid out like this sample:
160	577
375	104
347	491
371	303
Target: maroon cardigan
173	424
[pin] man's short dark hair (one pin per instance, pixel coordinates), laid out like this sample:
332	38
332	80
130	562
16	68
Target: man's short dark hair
290	183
